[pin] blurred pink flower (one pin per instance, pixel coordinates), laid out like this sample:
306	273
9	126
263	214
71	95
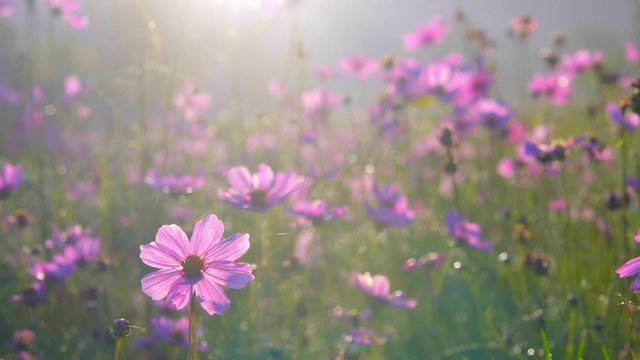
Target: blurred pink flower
432	33
359	66
191	101
68	10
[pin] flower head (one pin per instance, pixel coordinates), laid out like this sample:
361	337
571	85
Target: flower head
466	231
170	331
199	266
377	286
432	33
259	191
10	177
317	211
394	207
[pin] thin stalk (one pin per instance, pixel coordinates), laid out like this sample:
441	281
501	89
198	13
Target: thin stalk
116	355
193	338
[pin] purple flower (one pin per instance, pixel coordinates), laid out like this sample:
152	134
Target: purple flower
317	211
378	286
434	260
7	7
10	178
627	119
394	207
466	231
199	266
432	33
173	184
174	332
490	113
365	336
261	190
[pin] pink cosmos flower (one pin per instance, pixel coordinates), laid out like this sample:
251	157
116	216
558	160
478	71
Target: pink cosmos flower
72	86
432	33
68	10
10	178
192	101
377	286
523	26
198	266
261	190
630	268
318	103
359	66
632	52
7	7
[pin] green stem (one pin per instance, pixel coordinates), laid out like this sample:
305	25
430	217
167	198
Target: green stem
193	338
116	356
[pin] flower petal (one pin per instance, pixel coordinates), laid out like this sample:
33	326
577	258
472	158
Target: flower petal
206	233
158	283
172	241
211	296
151	255
263	178
239	178
229	249
179	295
230	274
629	268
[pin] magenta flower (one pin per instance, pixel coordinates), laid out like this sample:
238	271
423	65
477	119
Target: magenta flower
68	10
432	33
7	7
192	101
175	332
318	103
173	184
378	287
10	177
261	190
200	266
317	211
632	267
394	208
632	53
554	87
627	119
359	66
465	231
523	26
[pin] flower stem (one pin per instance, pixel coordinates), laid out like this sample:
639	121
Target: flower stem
193	339
116	355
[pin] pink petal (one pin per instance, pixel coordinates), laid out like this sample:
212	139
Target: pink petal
206	233
229	249
171	240
158	283
230	274
380	285
629	268
151	255
240	179
179	295
263	179
211	296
